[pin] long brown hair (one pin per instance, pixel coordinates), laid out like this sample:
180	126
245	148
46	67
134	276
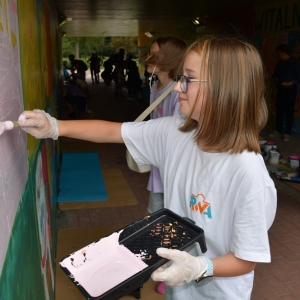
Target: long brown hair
171	51
233	109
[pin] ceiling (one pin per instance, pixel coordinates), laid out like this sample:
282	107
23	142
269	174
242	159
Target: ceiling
134	17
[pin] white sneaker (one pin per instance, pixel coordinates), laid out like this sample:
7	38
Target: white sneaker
275	134
286	137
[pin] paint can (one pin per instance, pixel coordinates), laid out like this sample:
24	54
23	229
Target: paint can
267	147
262	140
294	161
274	156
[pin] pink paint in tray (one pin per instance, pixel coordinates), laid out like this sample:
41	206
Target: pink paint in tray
102	265
121	263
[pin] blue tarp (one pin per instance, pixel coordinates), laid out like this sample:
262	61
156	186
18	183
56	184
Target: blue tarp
81	178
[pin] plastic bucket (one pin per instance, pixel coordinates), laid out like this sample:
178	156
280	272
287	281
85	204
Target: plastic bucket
294	161
274	156
267	147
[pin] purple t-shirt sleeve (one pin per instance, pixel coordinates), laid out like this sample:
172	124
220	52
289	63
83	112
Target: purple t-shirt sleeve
168	107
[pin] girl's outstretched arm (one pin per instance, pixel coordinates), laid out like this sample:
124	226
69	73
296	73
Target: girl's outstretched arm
91	130
41	125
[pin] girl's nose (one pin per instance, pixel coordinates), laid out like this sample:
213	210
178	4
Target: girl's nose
177	87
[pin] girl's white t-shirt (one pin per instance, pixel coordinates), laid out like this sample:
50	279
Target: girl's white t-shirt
231	197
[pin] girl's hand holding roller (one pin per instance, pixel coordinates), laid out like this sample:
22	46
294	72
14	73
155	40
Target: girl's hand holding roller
39	124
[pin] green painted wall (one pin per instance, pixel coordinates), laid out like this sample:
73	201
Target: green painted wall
21	277
28	270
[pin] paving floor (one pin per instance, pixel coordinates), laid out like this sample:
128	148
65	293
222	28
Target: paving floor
278	280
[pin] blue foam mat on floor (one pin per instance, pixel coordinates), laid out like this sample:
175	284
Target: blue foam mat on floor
81	178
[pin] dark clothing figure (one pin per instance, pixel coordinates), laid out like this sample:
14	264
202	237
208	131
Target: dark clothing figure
65	71
118	73
66	74
145	96
78	65
107	73
76	99
93	65
285	102
99	62
133	77
287	76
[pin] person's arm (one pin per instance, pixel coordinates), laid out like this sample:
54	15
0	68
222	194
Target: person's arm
91	130
228	265
41	125
183	267
287	83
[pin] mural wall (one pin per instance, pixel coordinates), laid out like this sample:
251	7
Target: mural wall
14	165
29	64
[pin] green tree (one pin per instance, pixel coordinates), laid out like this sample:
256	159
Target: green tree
87	45
103	46
130	44
68	46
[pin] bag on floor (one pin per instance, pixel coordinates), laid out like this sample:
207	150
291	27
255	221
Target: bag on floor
132	165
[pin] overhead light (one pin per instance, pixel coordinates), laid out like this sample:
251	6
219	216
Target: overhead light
200	21
149	34
64	20
196	21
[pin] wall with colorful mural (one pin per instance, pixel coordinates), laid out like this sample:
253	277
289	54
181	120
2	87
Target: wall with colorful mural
29	67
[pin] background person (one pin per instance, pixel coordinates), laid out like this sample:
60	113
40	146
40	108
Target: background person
99	62
66	74
107	72
133	81
119	72
287	77
75	98
78	65
93	66
164	55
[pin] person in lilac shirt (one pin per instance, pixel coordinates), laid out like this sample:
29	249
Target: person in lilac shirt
162	62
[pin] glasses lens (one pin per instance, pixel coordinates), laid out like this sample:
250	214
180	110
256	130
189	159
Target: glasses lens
183	83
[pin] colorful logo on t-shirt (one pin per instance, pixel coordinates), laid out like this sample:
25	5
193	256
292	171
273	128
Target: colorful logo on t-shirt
198	203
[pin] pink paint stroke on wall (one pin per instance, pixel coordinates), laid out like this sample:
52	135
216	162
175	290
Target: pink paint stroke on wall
13	150
14	7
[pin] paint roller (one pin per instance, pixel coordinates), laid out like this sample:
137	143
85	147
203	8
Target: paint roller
9	125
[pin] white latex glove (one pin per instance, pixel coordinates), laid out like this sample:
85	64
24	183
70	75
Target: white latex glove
39	124
180	269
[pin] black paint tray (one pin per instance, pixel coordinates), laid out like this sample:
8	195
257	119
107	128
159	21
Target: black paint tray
160	229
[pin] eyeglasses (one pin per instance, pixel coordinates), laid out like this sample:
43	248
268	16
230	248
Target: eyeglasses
184	80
